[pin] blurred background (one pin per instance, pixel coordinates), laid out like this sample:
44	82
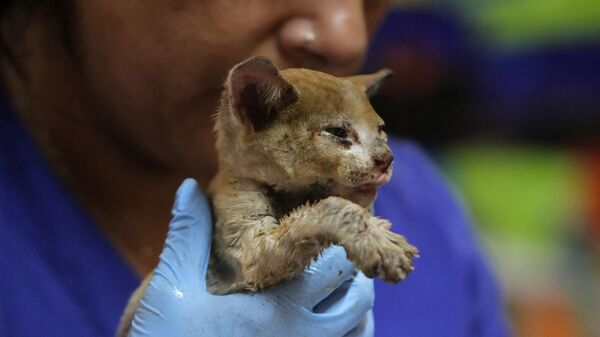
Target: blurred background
506	95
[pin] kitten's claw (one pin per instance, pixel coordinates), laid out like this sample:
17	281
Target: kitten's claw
383	253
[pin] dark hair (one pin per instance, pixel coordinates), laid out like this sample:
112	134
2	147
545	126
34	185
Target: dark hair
15	13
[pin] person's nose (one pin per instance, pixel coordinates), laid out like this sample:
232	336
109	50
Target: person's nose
329	35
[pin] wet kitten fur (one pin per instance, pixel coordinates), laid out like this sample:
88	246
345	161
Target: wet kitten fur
301	155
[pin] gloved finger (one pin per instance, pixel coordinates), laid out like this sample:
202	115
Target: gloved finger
185	256
320	279
350	307
366	328
360	296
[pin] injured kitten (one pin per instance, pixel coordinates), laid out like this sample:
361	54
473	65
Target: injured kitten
301	155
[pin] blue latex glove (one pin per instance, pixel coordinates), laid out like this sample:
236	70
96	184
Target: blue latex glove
177	304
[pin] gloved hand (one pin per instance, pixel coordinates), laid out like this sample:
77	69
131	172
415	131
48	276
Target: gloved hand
325	300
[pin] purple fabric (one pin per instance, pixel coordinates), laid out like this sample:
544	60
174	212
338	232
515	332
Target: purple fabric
60	276
451	292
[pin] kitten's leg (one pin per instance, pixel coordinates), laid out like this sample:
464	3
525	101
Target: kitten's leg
269	255
132	305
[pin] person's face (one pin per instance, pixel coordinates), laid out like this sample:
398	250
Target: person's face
153	69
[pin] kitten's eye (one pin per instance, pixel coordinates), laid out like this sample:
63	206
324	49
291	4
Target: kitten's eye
338	132
381	128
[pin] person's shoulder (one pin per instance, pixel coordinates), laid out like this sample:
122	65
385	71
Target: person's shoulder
415	170
410	155
405	145
452	285
419	193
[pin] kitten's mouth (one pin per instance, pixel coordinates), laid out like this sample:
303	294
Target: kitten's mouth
376	182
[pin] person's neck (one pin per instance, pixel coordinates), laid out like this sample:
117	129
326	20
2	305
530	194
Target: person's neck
129	198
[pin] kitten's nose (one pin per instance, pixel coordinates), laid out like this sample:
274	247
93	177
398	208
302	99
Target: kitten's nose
383	161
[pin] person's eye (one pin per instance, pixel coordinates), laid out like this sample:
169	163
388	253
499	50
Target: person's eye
338	132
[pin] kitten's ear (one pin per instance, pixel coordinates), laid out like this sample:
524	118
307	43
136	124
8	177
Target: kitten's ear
371	82
257	92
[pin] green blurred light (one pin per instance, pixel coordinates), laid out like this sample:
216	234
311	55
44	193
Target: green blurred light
527	194
533	23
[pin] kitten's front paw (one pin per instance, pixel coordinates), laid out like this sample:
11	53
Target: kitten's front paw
384	253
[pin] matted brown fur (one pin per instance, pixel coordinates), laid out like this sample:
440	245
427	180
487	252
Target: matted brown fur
301	155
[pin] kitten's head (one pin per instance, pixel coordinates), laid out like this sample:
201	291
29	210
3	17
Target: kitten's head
298	128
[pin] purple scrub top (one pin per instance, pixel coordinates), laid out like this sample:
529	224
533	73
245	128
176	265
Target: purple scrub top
59	275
